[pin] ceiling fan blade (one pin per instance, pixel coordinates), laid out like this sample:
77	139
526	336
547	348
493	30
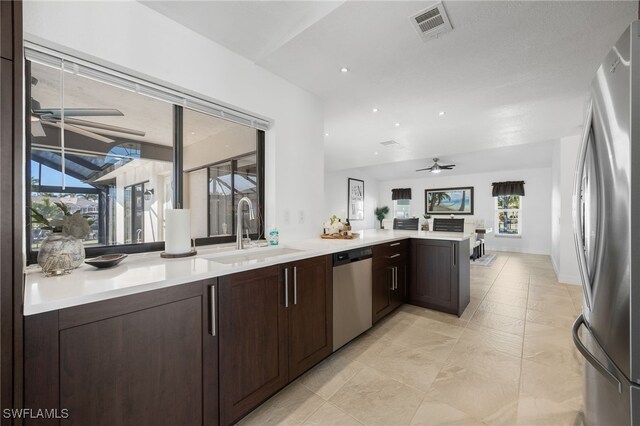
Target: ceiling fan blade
78	112
36	129
79	131
102	126
420	170
448	166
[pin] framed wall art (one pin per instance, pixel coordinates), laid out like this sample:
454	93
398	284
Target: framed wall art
449	201
356	199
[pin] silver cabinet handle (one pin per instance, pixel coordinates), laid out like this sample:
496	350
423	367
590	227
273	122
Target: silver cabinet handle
453	246
394	244
393	256
286	287
295	285
608	374
395	280
577	216
212	311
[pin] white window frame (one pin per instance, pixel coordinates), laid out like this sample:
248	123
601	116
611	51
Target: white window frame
497	218
395	209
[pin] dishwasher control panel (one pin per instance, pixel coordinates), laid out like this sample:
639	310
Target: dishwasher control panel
345	257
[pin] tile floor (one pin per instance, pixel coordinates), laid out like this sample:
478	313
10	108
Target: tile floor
508	360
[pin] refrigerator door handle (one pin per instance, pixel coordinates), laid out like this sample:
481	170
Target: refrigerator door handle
576	211
608	374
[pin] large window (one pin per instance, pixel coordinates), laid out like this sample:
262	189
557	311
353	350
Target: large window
113	141
216	179
509	215
107	146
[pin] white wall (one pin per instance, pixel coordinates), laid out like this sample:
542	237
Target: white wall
133	36
336	195
564	256
536	211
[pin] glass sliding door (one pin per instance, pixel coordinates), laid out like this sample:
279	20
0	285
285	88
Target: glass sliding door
220	166
134	213
245	183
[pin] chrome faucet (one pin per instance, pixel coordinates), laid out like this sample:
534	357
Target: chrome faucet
239	221
138	236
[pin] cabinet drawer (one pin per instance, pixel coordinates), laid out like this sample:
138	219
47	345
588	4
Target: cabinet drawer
387	253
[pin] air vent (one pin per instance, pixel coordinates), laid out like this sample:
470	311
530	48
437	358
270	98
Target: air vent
389	143
431	22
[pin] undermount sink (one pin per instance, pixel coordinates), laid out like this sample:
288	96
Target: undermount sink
249	256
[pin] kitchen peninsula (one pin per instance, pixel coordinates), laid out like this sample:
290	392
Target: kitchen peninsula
231	326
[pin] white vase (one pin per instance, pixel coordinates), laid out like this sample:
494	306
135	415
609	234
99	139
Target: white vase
58	243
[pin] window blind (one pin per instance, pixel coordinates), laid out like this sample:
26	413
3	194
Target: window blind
80	67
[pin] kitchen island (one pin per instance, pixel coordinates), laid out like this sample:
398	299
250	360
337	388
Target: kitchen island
206	339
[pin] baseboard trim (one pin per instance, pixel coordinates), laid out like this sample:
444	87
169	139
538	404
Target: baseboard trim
555	266
515	250
569	279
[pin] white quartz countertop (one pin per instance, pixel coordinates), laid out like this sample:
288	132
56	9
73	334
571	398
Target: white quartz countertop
148	271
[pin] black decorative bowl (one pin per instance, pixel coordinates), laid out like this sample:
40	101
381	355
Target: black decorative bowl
106	260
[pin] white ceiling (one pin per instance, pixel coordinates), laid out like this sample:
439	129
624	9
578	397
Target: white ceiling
509	73
517	157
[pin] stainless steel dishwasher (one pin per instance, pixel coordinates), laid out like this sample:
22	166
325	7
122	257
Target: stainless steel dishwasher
352	295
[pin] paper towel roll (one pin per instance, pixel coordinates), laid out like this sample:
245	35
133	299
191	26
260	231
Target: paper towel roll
177	231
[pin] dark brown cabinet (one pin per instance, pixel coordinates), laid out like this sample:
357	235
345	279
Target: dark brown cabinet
310	314
149	358
440	275
253	337
275	324
389	277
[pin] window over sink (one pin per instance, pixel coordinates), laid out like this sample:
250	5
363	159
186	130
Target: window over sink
123	150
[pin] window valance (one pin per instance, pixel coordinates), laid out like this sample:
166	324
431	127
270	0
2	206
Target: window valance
508	188
401	194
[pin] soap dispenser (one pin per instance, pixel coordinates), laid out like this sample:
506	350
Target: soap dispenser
274	236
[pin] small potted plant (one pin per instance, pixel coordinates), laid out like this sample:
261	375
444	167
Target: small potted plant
425	225
66	234
380	213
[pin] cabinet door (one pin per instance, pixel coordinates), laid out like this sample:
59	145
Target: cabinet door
433	275
252	340
310	314
382	293
143	367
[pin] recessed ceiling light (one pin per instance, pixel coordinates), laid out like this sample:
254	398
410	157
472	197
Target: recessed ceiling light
344	70
441	113
193	133
375	110
375	153
326	134
397	124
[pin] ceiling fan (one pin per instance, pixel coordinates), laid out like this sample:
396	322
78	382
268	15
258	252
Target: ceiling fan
437	168
53	117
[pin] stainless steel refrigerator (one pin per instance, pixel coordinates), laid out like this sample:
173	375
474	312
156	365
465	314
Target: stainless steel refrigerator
607	232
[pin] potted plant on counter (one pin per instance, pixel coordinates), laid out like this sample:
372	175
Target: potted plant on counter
380	213
425	225
67	231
